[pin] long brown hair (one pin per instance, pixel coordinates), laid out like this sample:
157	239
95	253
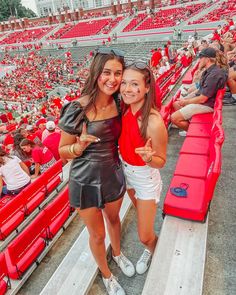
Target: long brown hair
91	86
3	154
150	97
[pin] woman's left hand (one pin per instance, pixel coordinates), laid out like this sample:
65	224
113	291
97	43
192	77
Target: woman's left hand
146	152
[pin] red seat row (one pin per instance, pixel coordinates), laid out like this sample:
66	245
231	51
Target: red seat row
24	250
4	279
188	77
198	166
14	212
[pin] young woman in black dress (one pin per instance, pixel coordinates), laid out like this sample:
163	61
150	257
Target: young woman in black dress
90	130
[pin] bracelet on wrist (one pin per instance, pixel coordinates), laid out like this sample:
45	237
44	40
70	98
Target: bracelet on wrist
149	160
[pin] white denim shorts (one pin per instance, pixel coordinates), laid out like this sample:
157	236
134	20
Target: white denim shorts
145	180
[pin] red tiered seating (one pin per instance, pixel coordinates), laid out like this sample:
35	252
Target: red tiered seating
188	77
197	168
4	279
52	176
26	35
34	193
168	17
24	250
107	29
26	247
226	9
86	28
11	215
57	213
134	22
199	192
14	211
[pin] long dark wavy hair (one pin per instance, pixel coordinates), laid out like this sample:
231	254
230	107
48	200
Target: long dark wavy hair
150	98
91	86
3	155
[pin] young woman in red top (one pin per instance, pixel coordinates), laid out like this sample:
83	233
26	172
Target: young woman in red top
142	143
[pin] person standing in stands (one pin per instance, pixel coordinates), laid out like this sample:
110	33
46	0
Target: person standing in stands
52	140
212	79
90	128
143	144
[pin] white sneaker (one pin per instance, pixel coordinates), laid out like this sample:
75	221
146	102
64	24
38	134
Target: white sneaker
125	264
183	133
112	286
144	262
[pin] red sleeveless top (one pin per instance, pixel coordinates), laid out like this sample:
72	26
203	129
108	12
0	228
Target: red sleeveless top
130	139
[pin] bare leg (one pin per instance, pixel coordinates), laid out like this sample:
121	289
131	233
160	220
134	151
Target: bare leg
93	219
131	193
146	212
178	119
111	214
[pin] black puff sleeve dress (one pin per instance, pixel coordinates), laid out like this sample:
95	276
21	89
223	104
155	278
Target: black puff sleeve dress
96	177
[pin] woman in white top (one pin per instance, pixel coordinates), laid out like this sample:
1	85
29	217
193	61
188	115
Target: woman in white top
14	173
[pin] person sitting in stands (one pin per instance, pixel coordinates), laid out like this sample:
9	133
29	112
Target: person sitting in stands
14	173
41	156
213	79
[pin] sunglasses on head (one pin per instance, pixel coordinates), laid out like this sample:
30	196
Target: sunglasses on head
105	50
140	65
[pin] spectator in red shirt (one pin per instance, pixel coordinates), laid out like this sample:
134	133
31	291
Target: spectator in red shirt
156	57
52	140
41	156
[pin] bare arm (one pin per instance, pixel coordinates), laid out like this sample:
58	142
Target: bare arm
154	151
159	139
36	171
195	100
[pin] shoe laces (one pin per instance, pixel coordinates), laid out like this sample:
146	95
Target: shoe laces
145	256
113	284
125	261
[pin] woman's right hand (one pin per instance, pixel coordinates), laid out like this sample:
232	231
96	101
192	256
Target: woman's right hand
84	140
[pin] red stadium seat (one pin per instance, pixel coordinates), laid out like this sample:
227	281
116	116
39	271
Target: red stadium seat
11	215
52	176
24	250
34	193
199	191
57	213
4	279
201	146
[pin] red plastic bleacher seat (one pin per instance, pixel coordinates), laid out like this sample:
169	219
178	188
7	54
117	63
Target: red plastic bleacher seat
199	192
11	215
34	193
4	279
199	130
202	118
57	213
201	146
24	250
52	176
192	166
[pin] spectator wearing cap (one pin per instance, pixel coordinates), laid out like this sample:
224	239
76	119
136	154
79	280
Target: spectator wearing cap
213	79
41	156
52	140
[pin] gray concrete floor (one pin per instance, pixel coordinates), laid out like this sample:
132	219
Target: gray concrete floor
220	273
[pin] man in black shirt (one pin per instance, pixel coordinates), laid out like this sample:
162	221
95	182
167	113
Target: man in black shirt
213	79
